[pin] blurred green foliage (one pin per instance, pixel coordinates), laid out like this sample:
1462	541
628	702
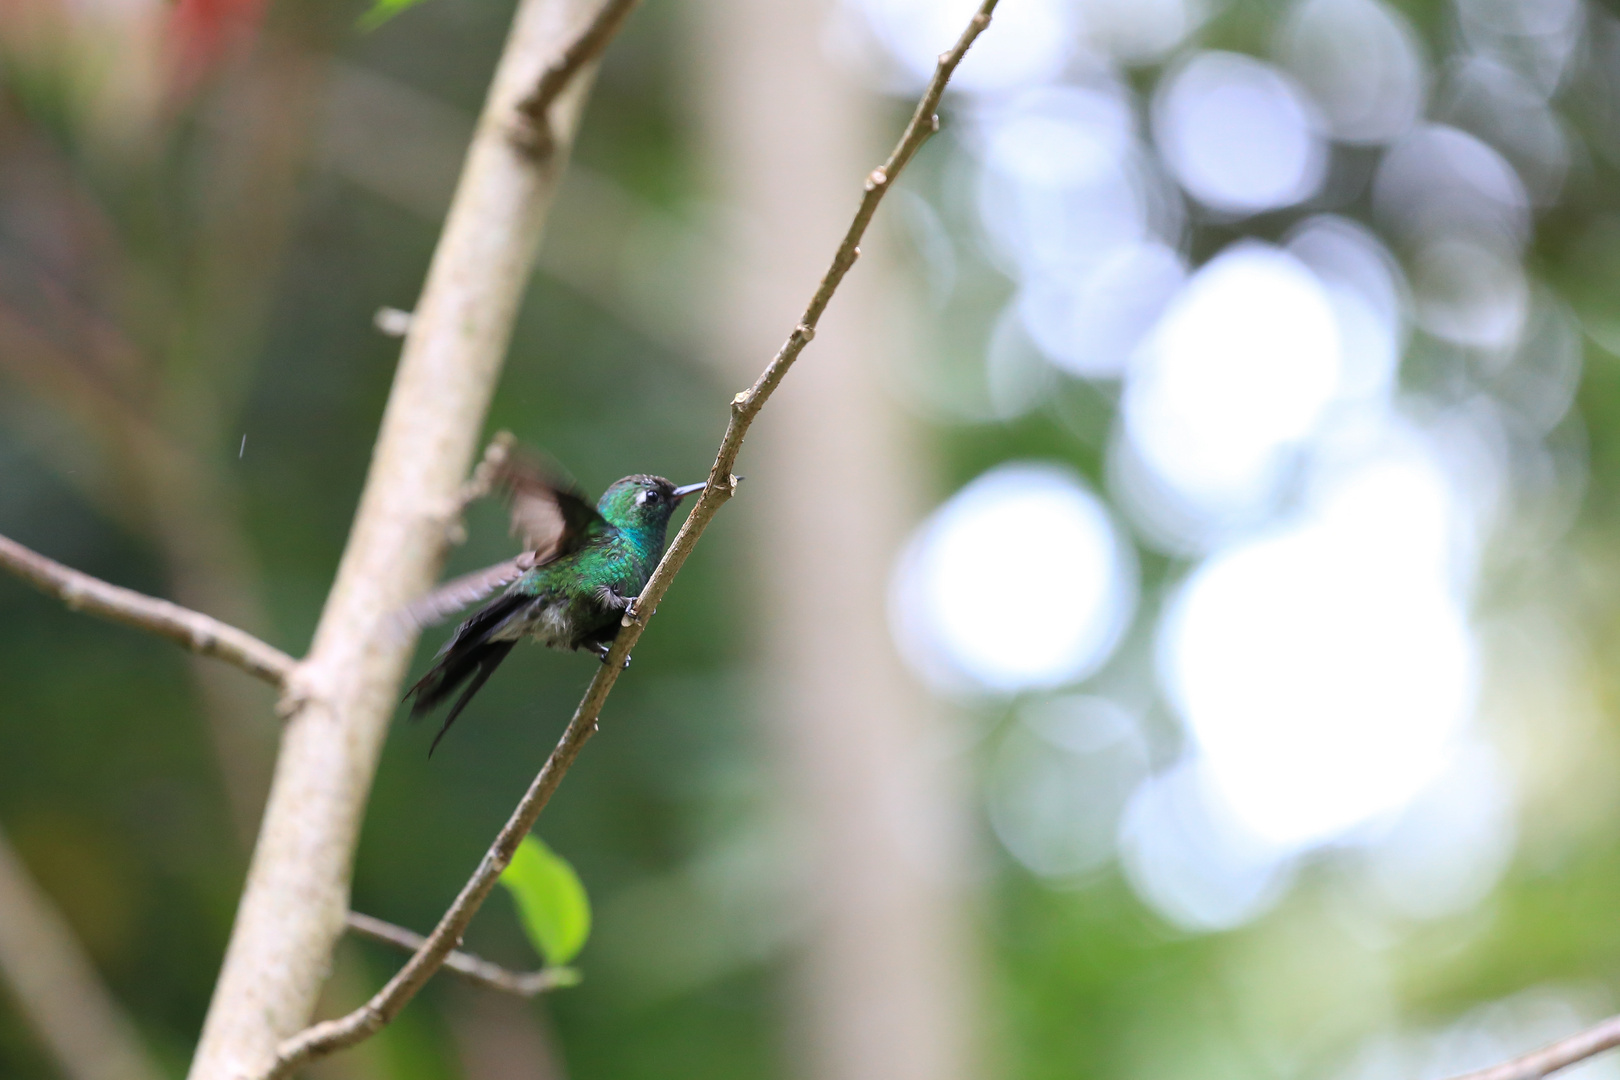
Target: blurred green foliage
383	10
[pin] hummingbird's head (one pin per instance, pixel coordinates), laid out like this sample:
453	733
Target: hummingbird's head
642	502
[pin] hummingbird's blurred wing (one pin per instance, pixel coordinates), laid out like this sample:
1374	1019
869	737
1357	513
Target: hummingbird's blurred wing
551	515
548	512
468	589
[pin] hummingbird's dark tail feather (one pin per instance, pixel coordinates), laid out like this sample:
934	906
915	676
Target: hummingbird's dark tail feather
489	658
470	654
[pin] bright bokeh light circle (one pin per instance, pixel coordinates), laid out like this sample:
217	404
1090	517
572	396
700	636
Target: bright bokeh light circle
1438	182
1140	31
1058	189
1369	297
1240	368
1076	213
1191	859
1325	670
1060	780
1362	63
1020	581
1446	851
1238	134
1088	324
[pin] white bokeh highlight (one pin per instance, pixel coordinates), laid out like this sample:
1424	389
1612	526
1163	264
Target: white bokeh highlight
1059	782
1325	670
1075	212
1191	859
1368	294
1239	134
1020	581
1318	654
1447	849
1361	62
1237	373
1439	182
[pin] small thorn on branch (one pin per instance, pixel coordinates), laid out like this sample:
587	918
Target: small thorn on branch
392	322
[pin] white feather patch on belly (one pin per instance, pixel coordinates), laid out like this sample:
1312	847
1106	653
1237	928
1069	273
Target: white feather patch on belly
547	625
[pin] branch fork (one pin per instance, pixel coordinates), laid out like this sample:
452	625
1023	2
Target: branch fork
534	136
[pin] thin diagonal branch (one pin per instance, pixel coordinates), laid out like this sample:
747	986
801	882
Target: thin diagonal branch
536	108
190	629
474	968
321	1039
1602	1036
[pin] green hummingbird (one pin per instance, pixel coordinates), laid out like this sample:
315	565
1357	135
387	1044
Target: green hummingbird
581	569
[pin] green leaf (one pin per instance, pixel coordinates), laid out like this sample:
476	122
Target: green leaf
552	903
383	10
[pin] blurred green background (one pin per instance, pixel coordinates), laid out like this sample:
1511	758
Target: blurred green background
203	205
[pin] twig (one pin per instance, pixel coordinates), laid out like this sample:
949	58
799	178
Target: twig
321	1039
1602	1036
479	485
488	469
475	968
191	629
536	137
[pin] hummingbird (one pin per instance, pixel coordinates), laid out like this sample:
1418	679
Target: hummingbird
581	570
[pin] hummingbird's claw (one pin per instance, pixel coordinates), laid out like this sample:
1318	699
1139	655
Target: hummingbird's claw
602	655
602	649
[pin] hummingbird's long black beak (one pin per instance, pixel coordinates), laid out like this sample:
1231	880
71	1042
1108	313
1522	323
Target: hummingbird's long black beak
683	492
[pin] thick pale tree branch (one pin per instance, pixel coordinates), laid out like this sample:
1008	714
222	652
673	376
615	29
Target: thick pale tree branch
191	629
588	46
342	696
328	1036
1555	1057
473	968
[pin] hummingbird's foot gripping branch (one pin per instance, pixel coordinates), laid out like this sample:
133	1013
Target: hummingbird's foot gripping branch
604	650
189	629
324	1038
